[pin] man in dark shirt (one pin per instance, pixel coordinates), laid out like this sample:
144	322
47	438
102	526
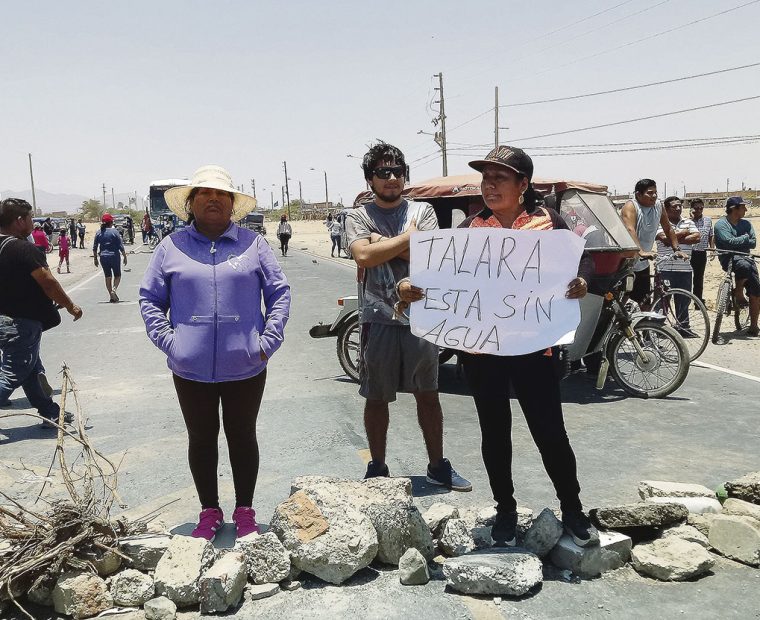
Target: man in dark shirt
27	293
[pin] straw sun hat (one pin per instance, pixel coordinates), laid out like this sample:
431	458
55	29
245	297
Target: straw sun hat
214	177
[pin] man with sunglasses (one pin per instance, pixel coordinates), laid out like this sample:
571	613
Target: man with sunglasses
392	359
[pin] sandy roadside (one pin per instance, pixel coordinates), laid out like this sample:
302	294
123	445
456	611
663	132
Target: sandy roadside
739	353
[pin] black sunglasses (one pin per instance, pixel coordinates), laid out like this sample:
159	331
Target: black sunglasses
385	172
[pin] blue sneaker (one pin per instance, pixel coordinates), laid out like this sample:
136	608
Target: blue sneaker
444	475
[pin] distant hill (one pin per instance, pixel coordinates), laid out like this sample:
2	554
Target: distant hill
48	202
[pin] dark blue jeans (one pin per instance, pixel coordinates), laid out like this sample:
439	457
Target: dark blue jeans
20	363
680	279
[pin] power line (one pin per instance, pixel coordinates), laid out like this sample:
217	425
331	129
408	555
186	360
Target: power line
636	120
648	38
627	88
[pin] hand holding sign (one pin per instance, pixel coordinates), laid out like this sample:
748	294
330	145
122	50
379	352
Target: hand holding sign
495	290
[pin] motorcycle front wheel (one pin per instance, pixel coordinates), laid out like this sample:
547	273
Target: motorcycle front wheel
659	371
348	347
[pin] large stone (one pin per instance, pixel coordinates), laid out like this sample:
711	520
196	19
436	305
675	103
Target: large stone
388	504
746	488
345	547
688	533
266	558
658	488
701	522
436	516
497	572
586	562
222	585
264	590
81	595
671	559
543	534
413	569
144	551
739	507
459	537
736	537
131	588
648	514
160	608
181	567
695	505
615	549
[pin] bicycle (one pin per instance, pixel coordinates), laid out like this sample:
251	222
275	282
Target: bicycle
694	326
726	300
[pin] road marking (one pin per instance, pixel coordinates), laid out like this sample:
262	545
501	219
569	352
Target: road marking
728	371
83	282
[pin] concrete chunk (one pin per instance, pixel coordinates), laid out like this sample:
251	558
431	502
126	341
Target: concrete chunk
736	537
144	551
180	568
221	586
615	549
81	595
413	569
266	558
437	515
746	488
687	532
671	559
160	608
131	588
264	590
586	562
695	505
459	537
543	534
738	507
644	514
498	571
658	488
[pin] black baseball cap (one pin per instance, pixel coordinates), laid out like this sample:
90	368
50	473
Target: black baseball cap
508	156
734	201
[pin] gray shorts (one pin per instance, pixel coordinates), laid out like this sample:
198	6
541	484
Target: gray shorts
394	360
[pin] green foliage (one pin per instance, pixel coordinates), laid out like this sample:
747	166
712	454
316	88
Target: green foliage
92	210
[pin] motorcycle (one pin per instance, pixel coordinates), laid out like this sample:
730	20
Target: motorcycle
644	355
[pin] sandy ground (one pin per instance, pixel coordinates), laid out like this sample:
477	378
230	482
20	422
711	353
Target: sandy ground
739	353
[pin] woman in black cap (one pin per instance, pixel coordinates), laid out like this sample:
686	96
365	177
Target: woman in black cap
511	202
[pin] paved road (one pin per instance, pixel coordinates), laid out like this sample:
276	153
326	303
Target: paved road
310	423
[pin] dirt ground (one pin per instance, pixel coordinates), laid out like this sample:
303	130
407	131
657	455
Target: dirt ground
739	353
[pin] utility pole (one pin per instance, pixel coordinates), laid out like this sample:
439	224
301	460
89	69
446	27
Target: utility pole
113	200
253	187
104	195
327	200
300	195
271	200
31	176
287	189
282	189
440	136
496	119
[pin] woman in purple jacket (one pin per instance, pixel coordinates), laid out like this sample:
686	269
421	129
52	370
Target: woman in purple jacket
200	299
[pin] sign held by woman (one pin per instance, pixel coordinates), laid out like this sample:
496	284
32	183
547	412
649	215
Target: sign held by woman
495	290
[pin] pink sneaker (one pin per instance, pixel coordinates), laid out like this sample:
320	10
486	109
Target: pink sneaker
209	521
245	521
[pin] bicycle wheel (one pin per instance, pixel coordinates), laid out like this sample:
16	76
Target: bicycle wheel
720	308
348	347
695	331
741	313
659	371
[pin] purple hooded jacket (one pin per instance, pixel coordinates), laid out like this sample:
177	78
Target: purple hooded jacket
201	303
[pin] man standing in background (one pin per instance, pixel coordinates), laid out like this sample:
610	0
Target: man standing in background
699	251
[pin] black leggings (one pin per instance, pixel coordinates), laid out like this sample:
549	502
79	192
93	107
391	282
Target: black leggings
698	264
284	238
240	406
537	390
335	244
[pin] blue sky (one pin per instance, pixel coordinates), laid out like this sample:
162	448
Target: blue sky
125	93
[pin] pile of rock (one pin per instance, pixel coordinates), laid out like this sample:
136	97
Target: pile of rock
332	528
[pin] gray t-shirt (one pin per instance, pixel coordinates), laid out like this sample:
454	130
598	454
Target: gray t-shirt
647	223
379	288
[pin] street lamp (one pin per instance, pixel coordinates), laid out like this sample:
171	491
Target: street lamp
327	200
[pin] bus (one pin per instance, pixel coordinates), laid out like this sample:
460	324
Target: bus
157	207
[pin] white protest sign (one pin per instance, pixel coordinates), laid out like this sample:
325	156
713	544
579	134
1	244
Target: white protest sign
495	290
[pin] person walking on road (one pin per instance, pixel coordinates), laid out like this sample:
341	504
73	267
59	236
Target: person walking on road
284	233
63	251
392	359
699	251
110	243
642	217
217	343
734	233
81	229
512	203
335	229
674	269
26	310
72	233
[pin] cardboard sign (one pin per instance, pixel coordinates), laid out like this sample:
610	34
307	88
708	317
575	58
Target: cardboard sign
495	290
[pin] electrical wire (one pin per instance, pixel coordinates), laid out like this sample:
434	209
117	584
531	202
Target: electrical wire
628	88
636	120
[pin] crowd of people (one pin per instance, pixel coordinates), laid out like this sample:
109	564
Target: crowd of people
218	344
